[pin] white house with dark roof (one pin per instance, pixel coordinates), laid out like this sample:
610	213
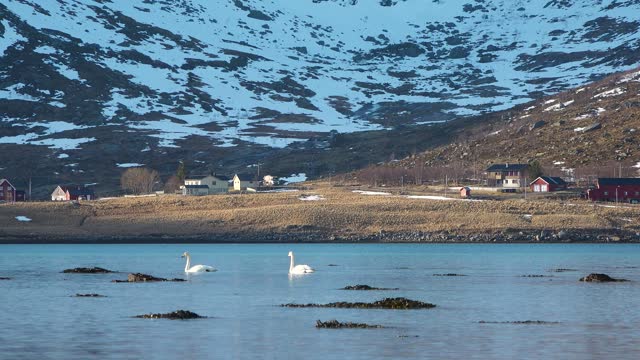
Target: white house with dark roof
507	175
211	184
242	182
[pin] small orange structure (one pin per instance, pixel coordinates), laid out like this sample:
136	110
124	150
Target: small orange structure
465	192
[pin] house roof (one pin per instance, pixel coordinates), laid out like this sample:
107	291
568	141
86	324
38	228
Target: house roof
200	177
246	177
618	181
196	186
8	182
77	190
507	167
555	180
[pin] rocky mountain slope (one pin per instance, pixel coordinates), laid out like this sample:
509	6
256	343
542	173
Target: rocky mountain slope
88	87
585	132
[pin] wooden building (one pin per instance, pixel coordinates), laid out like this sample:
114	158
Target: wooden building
616	189
216	184
548	184
507	175
242	182
72	192
7	191
465	192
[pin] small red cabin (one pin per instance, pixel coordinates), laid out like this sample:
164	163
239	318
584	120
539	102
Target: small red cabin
465	192
616	189
548	184
7	191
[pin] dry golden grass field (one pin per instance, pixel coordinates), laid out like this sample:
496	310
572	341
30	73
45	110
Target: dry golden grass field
341	212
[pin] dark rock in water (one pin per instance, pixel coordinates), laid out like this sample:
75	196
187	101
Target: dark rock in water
563	270
335	324
399	303
600	278
535	276
449	274
89	295
333	265
5	278
365	287
526	322
137	277
176	315
91	270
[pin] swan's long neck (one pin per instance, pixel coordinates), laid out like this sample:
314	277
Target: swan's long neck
188	265
291	264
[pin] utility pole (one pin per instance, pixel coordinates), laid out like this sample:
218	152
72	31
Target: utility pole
29	188
446	184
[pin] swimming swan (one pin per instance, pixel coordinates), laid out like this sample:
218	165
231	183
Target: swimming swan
298	269
195	268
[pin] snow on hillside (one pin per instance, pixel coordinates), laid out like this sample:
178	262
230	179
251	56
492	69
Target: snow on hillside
268	73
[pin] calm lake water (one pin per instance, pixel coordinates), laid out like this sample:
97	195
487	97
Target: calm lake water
40	319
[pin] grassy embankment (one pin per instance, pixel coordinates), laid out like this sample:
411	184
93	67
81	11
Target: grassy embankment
341	213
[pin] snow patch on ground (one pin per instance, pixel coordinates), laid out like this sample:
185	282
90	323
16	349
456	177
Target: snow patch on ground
294	178
371	192
23	218
128	165
311	198
555	107
609	93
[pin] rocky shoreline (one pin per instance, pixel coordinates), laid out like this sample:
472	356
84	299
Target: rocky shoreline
504	236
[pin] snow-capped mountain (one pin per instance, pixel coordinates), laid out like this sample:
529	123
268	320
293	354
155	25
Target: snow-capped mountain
157	75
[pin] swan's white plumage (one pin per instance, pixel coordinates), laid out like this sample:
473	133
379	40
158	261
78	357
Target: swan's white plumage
196	268
298	269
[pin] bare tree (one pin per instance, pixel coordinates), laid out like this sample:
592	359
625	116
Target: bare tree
139	180
172	184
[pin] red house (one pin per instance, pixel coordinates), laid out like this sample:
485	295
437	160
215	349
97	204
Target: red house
7	191
548	184
616	189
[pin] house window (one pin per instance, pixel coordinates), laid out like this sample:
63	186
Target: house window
637	193
606	193
626	193
213	183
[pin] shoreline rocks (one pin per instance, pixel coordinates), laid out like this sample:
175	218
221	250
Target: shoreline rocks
138	277
5	278
398	303
536	276
365	288
607	235
335	324
593	277
175	315
87	270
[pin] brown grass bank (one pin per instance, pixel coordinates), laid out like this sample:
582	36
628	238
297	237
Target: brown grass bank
340	215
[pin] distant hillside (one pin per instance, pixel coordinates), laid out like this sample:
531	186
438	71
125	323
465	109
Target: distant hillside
593	130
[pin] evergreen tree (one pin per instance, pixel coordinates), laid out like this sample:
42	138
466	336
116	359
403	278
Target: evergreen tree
535	169
180	173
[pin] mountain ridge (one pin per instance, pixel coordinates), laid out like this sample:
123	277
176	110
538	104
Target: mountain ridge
87	85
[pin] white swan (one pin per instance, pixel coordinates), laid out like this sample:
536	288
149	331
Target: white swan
298	269
195	268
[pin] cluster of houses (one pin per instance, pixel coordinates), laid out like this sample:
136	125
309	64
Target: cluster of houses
505	177
514	177
218	184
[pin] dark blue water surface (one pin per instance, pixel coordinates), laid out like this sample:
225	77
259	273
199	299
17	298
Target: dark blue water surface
41	320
